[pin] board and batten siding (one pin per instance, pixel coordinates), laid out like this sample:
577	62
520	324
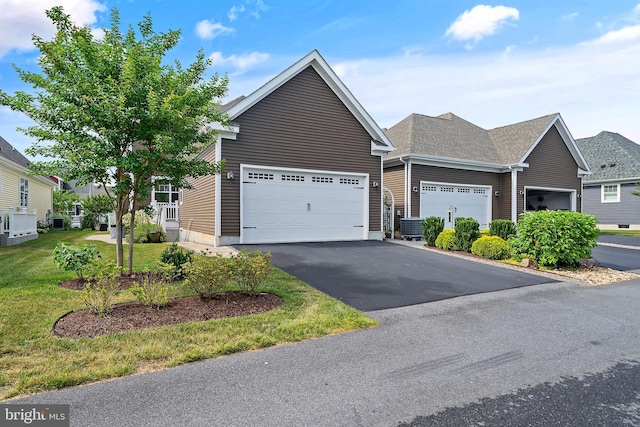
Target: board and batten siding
456	176
551	165
304	125
197	211
625	212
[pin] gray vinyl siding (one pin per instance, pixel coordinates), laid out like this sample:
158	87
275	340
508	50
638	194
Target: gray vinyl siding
197	212
551	165
302	124
625	212
394	181
459	176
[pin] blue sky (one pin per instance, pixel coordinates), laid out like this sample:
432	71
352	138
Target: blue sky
492	63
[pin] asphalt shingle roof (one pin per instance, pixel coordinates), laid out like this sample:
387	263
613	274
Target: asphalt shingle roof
610	156
450	136
10	153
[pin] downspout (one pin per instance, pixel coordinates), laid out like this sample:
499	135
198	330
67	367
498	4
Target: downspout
407	190
514	195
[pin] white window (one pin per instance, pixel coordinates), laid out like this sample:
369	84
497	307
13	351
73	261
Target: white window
24	192
165	193
610	193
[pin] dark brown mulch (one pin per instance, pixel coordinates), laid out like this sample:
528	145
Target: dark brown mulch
134	315
126	281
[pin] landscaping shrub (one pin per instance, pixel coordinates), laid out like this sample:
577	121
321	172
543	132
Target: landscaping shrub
152	290
432	226
446	240
250	269
178	258
149	233
74	258
555	238
467	231
209	275
98	293
492	247
502	228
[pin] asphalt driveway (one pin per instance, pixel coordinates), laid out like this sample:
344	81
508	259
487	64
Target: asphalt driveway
618	252
372	275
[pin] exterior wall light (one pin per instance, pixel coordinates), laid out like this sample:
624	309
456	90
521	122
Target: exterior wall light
230	175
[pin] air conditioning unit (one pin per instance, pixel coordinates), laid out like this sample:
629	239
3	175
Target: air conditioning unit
411	228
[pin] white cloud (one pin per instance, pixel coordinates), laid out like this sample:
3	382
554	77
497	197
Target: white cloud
241	63
594	87
208	30
235	11
481	21
623	35
22	18
571	17
259	7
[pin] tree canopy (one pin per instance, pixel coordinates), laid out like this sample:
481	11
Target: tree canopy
109	110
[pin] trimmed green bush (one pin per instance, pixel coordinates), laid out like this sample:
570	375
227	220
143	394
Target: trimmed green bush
446	240
178	258
153	289
503	228
492	247
467	231
250	269
432	226
74	258
209	275
555	238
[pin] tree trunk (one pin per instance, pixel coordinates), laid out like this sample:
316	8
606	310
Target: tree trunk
131	232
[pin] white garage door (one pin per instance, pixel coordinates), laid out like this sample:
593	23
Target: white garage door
451	201
302	206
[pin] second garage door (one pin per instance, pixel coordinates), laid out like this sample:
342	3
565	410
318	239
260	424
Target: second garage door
451	201
285	205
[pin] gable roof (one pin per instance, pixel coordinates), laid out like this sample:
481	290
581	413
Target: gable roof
611	156
9	152
236	107
450	137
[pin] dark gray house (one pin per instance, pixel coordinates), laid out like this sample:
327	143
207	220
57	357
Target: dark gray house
303	163
446	166
608	192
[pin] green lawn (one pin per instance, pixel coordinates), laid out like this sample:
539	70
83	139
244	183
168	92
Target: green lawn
631	233
33	360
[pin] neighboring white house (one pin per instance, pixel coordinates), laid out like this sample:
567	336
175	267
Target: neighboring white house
24	199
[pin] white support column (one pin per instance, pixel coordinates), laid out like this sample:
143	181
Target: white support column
514	195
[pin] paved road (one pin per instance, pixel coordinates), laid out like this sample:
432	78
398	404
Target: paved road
617	258
421	360
619	240
373	275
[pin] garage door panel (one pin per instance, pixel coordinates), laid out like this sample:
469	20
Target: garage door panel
437	199
288	205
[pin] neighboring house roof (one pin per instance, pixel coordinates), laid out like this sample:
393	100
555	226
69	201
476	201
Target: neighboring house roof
451	137
9	152
611	157
379	141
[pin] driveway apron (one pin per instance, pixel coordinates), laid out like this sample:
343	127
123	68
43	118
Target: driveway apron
373	275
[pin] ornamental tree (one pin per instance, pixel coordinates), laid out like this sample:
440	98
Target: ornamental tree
109	111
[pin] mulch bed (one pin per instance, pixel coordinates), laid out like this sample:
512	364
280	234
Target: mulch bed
126	281
134	315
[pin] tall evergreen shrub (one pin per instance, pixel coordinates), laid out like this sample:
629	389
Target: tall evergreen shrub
432	226
467	232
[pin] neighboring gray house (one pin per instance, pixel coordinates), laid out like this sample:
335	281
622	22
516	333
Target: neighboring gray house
446	166
303	163
608	192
